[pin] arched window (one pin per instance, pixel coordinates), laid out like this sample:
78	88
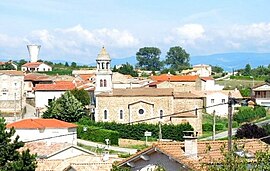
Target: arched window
98	65
101	83
105	82
121	114
102	65
105	114
160	114
107	65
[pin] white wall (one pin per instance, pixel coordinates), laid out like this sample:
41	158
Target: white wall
126	85
34	134
42	97
43	67
221	110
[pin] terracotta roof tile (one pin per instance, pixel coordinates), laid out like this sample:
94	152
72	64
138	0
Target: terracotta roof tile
139	92
56	86
208	151
175	78
12	72
37	77
206	78
32	64
40	123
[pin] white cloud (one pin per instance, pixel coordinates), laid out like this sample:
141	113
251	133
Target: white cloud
8	41
190	32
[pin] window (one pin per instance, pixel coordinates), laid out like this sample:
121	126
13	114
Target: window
107	65
223	101
121	114
102	65
105	114
212	100
101	83
105	83
161	114
141	111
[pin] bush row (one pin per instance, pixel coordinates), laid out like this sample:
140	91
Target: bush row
97	134
247	114
219	126
136	131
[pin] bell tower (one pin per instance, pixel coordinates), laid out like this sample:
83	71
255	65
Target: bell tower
103	72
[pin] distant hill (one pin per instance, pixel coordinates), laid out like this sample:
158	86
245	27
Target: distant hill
227	61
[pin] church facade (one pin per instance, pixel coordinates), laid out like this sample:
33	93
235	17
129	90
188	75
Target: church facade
149	105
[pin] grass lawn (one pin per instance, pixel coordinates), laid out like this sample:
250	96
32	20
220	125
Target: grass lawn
234	83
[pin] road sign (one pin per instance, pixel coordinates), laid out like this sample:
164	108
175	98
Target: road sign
147	134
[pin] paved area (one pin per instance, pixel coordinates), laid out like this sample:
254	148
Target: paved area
114	148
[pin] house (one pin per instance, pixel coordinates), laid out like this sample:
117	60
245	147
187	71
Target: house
201	70
126	81
36	67
189	155
178	82
261	94
47	130
8	64
31	80
78	163
44	93
55	151
12	99
217	101
206	84
132	105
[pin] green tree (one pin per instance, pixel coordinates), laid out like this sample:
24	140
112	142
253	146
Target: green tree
247	70
73	65
217	69
245	92
66	64
20	63
10	157
66	108
177	58
149	58
128	69
81	95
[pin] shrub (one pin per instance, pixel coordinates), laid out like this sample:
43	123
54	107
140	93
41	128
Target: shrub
97	134
136	131
247	114
207	127
219	126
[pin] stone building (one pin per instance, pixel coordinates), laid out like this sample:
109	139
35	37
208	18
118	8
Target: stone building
132	105
12	98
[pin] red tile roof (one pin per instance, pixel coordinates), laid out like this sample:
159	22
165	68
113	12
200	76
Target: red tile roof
32	64
206	78
86	77
12	72
37	77
57	86
175	78
40	124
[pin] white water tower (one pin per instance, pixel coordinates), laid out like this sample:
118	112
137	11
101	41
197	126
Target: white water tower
33	52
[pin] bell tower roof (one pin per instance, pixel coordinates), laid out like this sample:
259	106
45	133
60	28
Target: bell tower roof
103	55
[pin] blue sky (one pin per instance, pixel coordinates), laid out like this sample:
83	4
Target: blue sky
75	30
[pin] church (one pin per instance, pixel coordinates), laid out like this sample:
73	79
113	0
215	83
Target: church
145	104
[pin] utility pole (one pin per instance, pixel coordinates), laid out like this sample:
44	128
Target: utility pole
160	132
214	125
230	101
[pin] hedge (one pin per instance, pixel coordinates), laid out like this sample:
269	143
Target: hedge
136	131
97	134
247	114
209	127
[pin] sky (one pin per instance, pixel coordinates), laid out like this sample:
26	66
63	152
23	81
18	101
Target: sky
76	30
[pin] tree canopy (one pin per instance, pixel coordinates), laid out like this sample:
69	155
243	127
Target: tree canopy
81	95
177	58
10	157
149	58
66	108
126	69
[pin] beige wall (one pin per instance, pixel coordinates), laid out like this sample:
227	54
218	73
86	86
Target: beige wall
178	86
151	107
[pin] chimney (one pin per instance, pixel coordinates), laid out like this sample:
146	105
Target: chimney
33	52
191	146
